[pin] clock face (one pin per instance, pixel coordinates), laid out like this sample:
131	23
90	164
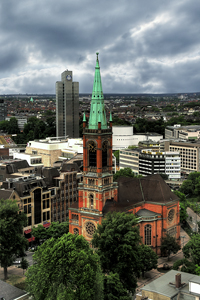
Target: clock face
92	147
68	77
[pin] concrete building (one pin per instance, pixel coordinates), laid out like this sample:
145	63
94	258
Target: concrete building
172	285
189	153
67	106
123	137
146	162
50	150
182	132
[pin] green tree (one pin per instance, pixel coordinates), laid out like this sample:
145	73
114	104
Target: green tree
65	268
183	206
187	187
116	154
55	230
191	252
113	288
117	241
24	264
12	242
164	176
40	233
127	172
149	259
169	245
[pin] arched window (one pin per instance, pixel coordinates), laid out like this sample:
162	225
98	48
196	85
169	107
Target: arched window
147	234
91	199
104	153
92	154
76	231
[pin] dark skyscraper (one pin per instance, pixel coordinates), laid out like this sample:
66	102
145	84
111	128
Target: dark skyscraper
67	106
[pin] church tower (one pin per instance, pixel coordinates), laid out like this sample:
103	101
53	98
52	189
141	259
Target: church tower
97	185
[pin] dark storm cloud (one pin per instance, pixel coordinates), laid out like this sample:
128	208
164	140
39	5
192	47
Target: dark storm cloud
145	46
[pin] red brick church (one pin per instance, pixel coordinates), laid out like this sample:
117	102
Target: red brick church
149	198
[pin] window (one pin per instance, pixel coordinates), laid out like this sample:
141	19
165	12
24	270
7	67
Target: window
76	231
147	233
92	154
90	228
91	200
25	209
104	153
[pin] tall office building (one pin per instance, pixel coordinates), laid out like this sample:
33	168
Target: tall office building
67	106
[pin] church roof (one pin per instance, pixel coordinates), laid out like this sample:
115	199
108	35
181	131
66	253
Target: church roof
97	109
151	188
132	191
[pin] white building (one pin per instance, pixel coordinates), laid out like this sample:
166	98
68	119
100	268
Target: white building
47	151
123	137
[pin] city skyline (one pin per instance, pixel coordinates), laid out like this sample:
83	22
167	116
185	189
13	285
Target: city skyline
145	47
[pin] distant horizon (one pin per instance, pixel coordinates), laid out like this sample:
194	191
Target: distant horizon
89	94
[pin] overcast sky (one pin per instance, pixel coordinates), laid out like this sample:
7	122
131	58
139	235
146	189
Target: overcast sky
145	46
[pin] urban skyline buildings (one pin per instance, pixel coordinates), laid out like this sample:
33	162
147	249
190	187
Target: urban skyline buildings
67	106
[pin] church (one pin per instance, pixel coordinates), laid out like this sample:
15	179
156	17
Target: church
149	198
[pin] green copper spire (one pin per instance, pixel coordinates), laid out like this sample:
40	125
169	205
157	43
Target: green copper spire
84	117
110	116
97	108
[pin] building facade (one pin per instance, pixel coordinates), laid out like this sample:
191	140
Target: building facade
189	153
67	106
147	161
177	131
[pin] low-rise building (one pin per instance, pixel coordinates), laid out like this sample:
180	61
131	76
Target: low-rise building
182	132
50	150
123	137
172	285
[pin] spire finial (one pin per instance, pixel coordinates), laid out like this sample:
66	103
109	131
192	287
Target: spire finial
97	53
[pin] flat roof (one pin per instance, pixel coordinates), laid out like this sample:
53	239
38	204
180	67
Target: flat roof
162	284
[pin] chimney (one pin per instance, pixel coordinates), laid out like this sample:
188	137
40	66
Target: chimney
178	280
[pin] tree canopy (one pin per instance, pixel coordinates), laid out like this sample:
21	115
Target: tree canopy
55	230
169	245
191	252
117	241
149	259
12	242
127	172
65	268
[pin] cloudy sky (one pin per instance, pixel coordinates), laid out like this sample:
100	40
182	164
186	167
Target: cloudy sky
145	46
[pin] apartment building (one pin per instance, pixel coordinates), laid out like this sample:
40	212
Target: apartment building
44	195
147	161
189	153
